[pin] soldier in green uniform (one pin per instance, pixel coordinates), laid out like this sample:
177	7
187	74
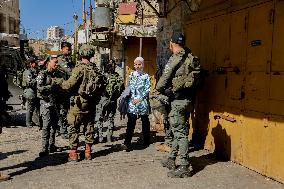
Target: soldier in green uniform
82	106
106	109
65	66
46	91
65	63
177	83
29	85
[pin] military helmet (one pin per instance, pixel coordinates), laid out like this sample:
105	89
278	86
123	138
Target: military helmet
87	50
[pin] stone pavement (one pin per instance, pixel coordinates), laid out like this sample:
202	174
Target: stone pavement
111	167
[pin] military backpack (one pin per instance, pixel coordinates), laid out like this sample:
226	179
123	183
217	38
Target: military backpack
188	74
93	83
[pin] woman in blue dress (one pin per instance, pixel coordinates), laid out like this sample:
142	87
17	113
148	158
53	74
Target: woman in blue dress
138	105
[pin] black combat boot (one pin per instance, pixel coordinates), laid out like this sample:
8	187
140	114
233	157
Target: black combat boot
181	172
169	163
53	148
127	147
43	153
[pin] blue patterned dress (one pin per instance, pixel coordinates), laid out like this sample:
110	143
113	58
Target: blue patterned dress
139	86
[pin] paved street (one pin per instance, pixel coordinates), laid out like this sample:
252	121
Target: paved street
111	167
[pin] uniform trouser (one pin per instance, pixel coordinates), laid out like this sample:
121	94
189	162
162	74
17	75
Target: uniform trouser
169	137
131	126
167	127
109	122
106	122
62	120
178	118
31	106
49	124
75	120
99	118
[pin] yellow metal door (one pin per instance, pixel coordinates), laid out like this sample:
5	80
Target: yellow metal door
208	44
275	168
235	91
256	135
276	99
222	25
257	92
260	27
278	40
217	90
238	40
192	36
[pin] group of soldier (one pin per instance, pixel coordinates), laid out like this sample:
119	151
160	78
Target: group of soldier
54	90
62	93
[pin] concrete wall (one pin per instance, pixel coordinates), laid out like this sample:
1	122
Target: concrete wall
239	112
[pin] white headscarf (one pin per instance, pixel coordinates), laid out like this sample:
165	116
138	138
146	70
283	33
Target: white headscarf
140	59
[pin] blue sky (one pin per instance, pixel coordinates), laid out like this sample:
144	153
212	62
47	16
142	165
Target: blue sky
38	15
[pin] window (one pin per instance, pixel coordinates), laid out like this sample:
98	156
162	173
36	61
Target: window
2	23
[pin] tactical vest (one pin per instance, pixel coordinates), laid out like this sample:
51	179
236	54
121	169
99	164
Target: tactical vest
93	83
187	76
65	67
44	78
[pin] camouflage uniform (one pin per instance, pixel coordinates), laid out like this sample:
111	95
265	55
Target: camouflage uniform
65	67
29	83
81	110
99	118
106	109
179	111
46	90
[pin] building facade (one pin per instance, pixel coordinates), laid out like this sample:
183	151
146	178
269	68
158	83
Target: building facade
10	21
40	47
55	32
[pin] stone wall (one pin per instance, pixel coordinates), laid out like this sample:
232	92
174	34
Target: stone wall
178	13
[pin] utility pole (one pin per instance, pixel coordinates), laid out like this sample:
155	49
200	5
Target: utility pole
75	17
91	15
141	38
84	13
